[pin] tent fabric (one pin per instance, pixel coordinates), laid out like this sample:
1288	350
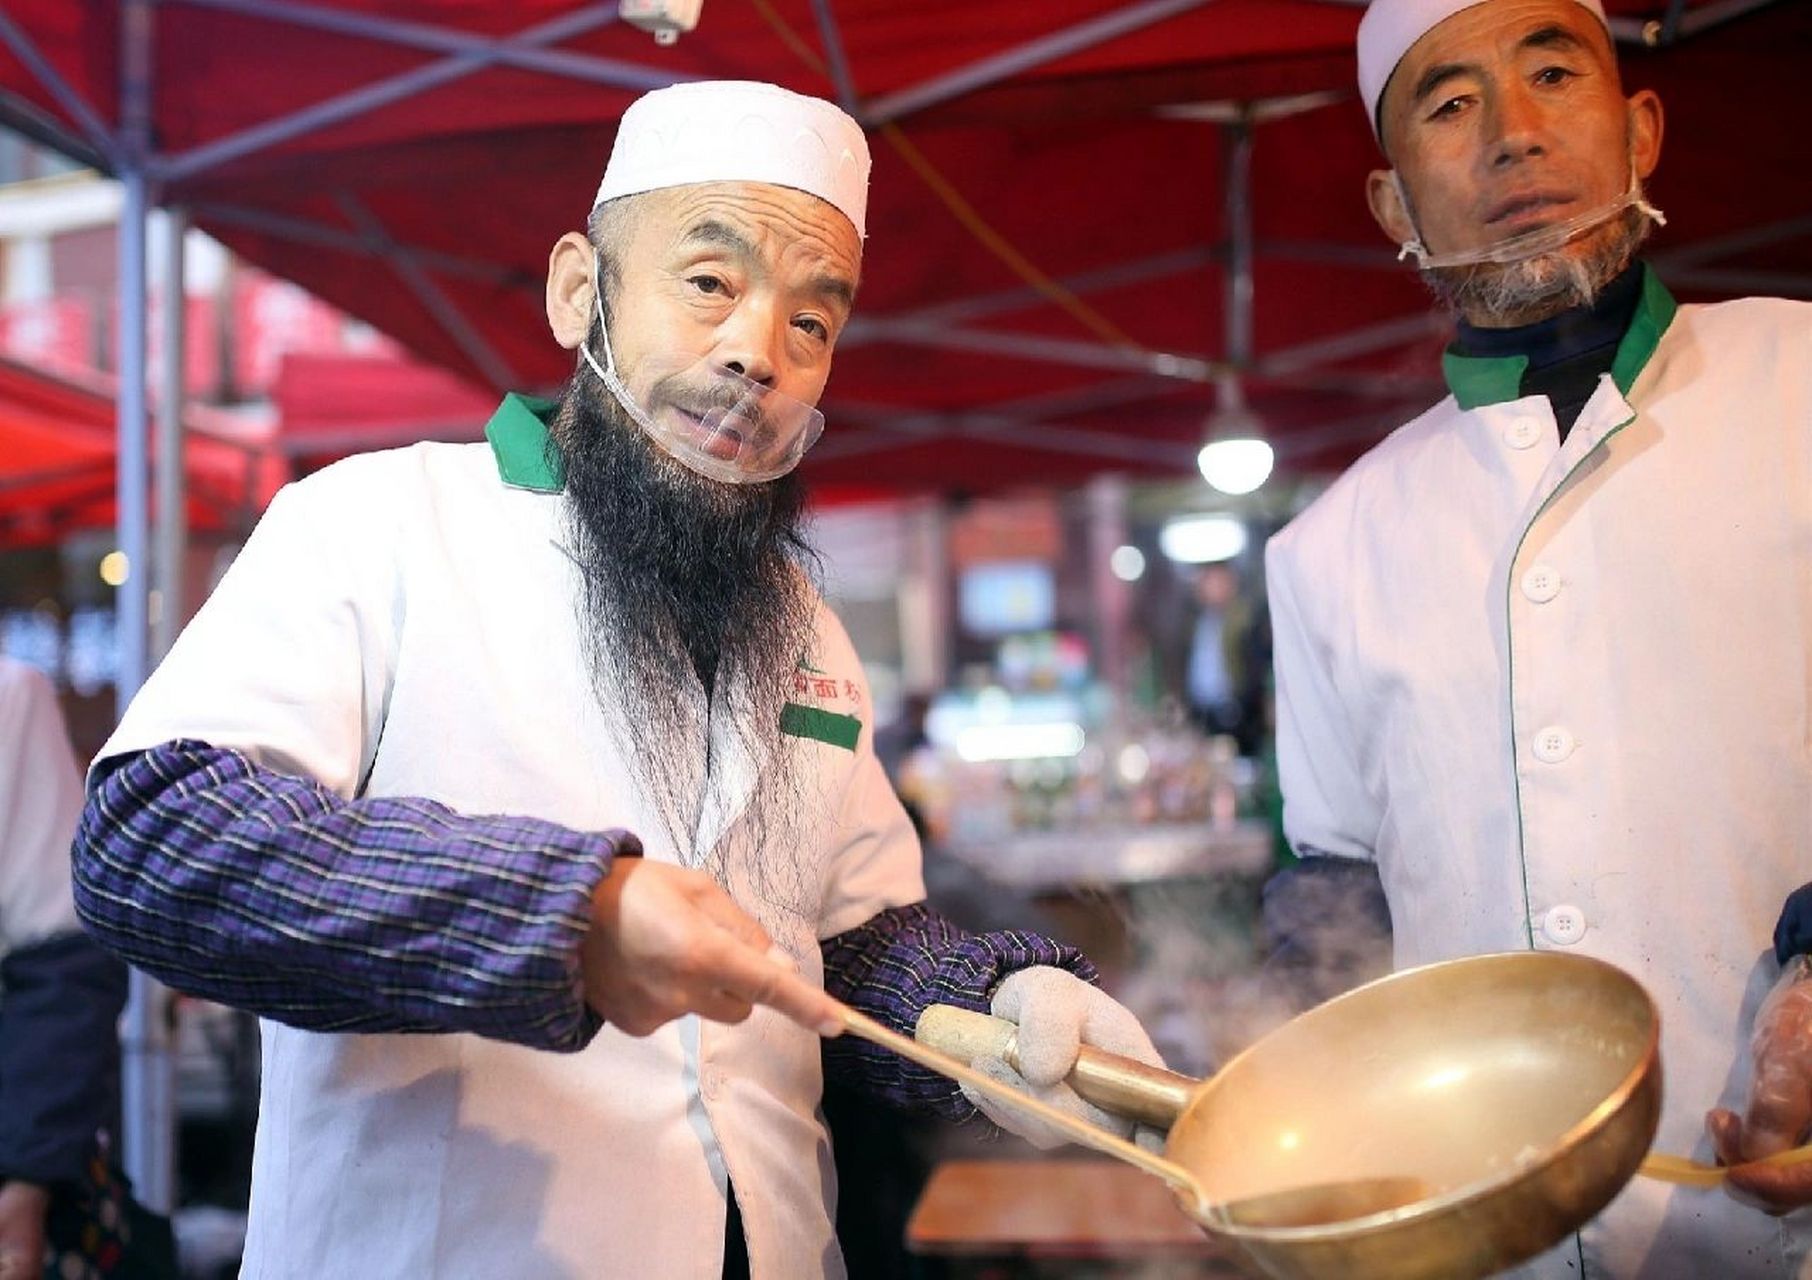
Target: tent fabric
1095	164
57	460
333	404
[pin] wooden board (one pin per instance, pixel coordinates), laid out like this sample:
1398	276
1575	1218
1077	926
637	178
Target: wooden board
1051	1208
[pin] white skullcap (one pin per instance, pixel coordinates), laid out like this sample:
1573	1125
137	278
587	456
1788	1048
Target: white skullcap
740	131
1390	27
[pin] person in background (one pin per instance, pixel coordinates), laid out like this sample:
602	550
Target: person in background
1212	677
1541	655
1228	659
897	746
60	1002
527	789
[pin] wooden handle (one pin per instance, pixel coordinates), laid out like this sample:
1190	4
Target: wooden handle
1123	1086
1690	1173
1072	1127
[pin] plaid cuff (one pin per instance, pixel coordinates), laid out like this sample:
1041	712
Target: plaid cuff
384	914
900	962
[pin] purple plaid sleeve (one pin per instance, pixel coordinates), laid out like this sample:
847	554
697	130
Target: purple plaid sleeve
905	959
271	893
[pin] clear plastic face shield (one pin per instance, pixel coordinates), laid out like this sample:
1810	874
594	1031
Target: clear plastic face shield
1521	246
708	417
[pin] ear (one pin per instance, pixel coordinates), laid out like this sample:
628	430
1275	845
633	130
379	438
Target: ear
1386	200
570	304
1645	131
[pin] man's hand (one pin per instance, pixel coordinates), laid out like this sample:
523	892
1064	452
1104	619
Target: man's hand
665	941
1780	1100
1057	1014
23	1206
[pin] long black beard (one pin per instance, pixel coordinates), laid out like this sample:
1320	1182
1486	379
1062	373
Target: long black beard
684	579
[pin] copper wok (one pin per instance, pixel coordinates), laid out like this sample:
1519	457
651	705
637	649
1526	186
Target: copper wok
1447	1121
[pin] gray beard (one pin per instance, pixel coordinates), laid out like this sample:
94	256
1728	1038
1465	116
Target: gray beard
1504	295
696	599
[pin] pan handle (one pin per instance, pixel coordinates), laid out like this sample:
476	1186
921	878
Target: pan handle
1690	1173
1124	1086
1073	1127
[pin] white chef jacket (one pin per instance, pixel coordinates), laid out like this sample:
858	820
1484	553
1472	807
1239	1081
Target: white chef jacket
40	804
1561	694
403	624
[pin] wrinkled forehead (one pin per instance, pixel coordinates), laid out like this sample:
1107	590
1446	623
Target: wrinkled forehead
773	235
1399	40
772	226
1482	36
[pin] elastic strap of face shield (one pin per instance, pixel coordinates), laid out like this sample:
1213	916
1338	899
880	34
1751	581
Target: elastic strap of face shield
1520	248
607	372
1412	247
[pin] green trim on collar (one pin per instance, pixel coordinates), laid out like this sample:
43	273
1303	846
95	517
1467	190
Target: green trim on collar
518	435
1653	314
1481	380
826	726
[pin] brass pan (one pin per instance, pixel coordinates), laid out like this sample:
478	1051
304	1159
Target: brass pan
1442	1122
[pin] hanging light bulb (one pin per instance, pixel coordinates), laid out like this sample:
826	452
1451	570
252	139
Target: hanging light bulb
1236	458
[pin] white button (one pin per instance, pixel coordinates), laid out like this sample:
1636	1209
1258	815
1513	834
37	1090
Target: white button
1522	432
1553	744
1542	583
1563	925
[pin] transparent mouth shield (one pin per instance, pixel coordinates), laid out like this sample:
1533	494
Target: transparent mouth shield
1522	246
710	418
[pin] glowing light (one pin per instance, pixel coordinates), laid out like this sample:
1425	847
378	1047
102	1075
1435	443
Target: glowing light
1236	466
1134	763
1128	563
114	569
1201	539
1289	1140
1019	741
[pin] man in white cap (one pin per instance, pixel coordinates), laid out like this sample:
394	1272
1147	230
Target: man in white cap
548	748
1541	654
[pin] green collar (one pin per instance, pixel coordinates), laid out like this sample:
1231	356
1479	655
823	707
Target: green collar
518	435
1481	380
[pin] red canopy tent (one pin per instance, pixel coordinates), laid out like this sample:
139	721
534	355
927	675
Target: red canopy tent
1060	211
58	455
413	162
333	404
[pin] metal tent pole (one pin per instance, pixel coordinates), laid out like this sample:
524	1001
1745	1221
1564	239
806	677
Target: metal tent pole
1105	500
835	59
1236	178
147	1111
172	476
1110	25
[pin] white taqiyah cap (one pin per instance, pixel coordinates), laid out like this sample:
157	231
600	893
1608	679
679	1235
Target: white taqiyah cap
740	131
1390	27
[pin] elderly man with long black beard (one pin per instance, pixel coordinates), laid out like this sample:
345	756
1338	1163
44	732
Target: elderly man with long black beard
1542	654
527	789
